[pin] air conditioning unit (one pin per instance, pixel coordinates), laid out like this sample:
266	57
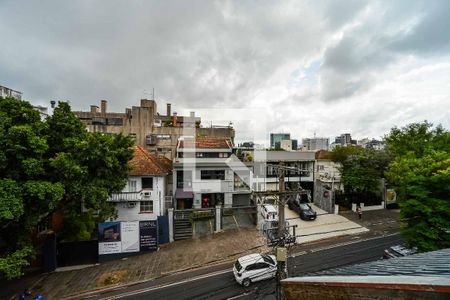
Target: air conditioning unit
131	204
146	195
151	139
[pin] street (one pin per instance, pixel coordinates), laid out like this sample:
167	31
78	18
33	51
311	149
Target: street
221	284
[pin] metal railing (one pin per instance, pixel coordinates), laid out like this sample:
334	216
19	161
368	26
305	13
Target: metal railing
125	196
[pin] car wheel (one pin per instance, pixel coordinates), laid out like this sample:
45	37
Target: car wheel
246	282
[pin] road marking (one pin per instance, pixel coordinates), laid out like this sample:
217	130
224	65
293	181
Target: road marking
132	293
340	245
239	296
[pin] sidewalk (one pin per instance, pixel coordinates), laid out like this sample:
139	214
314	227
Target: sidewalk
172	258
325	226
190	254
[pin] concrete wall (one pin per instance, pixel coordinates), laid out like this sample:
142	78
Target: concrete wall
139	121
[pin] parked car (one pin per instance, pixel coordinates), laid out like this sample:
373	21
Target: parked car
254	267
303	209
269	212
399	251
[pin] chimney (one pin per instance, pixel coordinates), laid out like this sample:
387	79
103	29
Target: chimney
94	109
174	119
168	109
103	106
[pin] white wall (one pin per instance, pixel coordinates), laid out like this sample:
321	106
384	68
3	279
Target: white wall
157	194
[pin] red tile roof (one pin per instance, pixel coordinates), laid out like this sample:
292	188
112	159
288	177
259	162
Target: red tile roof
145	163
206	143
322	154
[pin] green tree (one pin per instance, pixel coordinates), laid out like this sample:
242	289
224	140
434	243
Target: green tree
26	193
361	169
91	166
53	165
420	174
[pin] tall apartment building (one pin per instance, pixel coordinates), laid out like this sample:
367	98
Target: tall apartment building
158	133
344	140
276	138
7	92
316	143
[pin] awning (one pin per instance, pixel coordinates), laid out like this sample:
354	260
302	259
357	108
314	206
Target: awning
183	194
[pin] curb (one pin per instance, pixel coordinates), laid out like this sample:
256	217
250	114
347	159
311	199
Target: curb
215	262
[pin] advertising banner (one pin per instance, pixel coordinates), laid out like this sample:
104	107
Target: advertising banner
109	239
130	236
148	235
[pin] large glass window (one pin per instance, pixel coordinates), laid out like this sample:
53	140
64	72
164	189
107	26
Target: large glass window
213	174
146	207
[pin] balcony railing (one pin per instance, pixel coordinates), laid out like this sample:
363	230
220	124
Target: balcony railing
126	196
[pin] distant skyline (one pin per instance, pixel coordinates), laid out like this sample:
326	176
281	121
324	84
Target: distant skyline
324	67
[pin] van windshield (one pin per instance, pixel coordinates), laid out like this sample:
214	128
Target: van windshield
238	266
268	259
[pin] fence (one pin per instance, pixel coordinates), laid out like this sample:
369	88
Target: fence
346	199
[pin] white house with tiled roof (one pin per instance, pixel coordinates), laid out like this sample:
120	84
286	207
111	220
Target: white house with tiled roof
203	178
143	197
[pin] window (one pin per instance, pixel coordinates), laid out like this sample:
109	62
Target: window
147	183
146	206
213	174
132	185
239	183
320	167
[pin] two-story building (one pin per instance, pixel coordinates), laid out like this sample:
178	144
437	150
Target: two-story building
299	170
207	173
145	194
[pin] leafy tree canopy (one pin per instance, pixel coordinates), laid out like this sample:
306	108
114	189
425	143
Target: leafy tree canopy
361	169
48	166
420	174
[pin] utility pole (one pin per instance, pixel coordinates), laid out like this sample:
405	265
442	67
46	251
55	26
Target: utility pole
281	250
281	219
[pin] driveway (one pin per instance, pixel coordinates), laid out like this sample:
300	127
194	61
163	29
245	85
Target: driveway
325	226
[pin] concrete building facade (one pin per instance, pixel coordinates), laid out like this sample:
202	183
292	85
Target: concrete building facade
302	173
151	130
203	178
316	143
276	138
7	92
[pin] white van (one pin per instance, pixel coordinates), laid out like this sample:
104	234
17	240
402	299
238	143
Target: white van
269	212
254	267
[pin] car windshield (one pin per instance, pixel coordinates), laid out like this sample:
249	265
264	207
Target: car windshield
304	206
238	266
268	259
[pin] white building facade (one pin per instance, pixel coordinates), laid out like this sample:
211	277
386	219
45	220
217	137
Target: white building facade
203	178
145	194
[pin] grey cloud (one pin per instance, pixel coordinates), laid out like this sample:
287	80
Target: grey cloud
431	34
394	29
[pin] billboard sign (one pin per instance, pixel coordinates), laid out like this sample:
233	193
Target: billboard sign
109	238
130	236
148	235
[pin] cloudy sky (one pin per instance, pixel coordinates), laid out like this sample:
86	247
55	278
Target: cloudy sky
304	67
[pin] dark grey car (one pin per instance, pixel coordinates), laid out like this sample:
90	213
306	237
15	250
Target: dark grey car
303	209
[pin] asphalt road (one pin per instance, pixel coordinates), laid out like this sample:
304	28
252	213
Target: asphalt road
221	284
